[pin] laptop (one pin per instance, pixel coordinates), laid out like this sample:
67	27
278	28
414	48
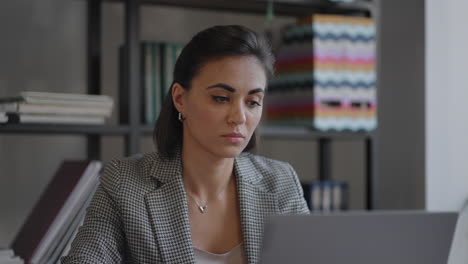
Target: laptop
459	250
359	238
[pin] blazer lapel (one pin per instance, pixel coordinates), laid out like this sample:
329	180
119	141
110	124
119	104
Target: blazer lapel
167	206
168	210
255	204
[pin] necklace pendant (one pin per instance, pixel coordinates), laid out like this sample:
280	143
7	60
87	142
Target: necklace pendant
202	208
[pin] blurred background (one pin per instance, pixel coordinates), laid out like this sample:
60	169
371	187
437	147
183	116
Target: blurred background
414	157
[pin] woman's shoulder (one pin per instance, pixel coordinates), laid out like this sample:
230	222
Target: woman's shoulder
128	171
273	173
265	164
276	177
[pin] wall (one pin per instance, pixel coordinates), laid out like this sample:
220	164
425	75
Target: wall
446	101
42	49
401	105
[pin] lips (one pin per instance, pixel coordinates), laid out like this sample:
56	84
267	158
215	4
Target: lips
234	135
234	138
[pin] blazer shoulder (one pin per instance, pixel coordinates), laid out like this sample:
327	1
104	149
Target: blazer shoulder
280	178
274	173
268	165
127	171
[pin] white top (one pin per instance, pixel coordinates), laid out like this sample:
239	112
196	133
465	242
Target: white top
236	255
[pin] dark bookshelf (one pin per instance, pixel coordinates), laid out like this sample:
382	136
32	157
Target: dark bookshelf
281	7
130	99
400	63
395	151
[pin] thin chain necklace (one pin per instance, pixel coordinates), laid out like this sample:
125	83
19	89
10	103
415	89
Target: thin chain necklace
203	208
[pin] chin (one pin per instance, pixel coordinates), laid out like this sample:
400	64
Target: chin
228	152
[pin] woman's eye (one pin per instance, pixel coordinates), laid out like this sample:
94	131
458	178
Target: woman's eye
220	99
254	103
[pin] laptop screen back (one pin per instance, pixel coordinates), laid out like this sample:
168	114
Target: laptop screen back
361	238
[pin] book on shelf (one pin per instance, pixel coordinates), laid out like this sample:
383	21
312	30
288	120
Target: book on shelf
326	196
57	108
157	66
67	99
49	109
52	217
14	118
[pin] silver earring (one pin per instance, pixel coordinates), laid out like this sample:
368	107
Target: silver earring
181	118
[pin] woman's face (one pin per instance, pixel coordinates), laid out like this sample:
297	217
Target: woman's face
223	106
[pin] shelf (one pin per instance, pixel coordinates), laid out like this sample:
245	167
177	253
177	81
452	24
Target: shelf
266	131
281	7
147	130
63	129
304	133
299	133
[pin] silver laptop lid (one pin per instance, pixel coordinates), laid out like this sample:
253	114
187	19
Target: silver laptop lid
361	238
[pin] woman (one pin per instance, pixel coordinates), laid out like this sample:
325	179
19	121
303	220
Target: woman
201	197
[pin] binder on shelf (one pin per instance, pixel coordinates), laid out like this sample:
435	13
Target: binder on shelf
157	80
157	67
166	68
326	196
56	209
170	53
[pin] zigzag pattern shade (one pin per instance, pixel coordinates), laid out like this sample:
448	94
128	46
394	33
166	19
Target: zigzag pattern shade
326	75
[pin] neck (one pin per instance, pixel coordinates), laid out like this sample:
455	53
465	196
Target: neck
205	175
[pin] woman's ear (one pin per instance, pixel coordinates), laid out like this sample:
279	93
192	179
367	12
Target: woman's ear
178	94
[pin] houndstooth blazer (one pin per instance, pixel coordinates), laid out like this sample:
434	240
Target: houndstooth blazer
139	212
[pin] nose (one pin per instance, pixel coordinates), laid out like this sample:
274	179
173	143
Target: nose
237	114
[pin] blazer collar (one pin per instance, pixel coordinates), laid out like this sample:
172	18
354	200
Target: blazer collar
168	209
166	170
256	202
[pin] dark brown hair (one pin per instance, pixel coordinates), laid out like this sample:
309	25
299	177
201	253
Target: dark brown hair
210	44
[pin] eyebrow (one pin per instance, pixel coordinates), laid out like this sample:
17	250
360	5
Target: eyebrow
232	89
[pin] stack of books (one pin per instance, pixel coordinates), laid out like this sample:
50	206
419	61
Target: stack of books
47	233
326	75
327	196
7	256
62	108
157	66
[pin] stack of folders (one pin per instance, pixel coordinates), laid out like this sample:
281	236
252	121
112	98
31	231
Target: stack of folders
61	108
157	66
326	196
326	74
53	223
7	256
